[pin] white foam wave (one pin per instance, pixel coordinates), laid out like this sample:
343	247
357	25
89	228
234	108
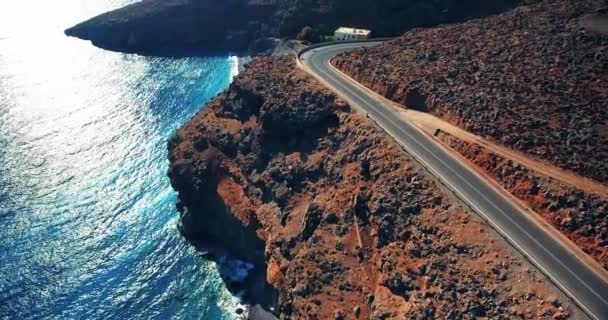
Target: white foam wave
234	66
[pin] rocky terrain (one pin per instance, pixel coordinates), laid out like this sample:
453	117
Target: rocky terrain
583	217
534	79
347	226
178	26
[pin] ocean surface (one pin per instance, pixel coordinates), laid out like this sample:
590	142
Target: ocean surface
87	214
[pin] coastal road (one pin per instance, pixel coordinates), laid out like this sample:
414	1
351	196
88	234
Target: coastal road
585	285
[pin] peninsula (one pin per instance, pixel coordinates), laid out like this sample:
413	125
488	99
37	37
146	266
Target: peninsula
300	176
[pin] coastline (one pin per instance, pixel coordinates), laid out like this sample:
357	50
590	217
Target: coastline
279	171
230	145
238	63
104	116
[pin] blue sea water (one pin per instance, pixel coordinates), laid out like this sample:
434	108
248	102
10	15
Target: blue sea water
87	214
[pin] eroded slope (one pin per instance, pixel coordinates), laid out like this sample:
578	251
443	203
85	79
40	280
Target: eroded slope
534	79
281	172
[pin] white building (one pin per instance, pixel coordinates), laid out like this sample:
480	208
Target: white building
344	33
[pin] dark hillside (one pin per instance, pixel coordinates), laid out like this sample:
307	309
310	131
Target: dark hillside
534	79
153	26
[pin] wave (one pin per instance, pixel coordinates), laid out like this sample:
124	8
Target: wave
234	67
237	64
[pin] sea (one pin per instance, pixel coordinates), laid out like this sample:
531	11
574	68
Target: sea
87	213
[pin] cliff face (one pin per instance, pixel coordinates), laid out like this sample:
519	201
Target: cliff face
280	171
153	26
534	79
157	26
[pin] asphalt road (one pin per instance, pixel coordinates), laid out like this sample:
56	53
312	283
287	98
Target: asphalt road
552	257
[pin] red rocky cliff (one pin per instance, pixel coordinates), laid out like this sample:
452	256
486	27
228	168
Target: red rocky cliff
281	172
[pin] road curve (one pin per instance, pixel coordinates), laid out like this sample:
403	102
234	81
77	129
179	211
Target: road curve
584	285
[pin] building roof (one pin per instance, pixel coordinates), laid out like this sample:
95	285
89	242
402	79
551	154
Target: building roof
353	31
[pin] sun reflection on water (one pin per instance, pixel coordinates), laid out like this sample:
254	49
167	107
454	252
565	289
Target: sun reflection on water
86	210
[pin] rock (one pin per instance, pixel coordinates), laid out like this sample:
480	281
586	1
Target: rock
281	193
339	246
339	315
311	221
286	116
156	26
332	218
360	255
415	99
200	144
476	310
357	311
258	313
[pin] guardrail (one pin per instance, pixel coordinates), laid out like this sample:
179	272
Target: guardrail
332	43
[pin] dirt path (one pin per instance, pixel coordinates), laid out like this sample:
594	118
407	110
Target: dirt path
430	124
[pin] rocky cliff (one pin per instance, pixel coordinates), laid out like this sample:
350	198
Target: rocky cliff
534	79
173	26
281	172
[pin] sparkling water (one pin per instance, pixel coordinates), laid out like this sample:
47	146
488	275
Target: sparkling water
87	214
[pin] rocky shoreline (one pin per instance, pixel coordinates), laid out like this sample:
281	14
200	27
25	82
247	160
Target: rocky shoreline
346	225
